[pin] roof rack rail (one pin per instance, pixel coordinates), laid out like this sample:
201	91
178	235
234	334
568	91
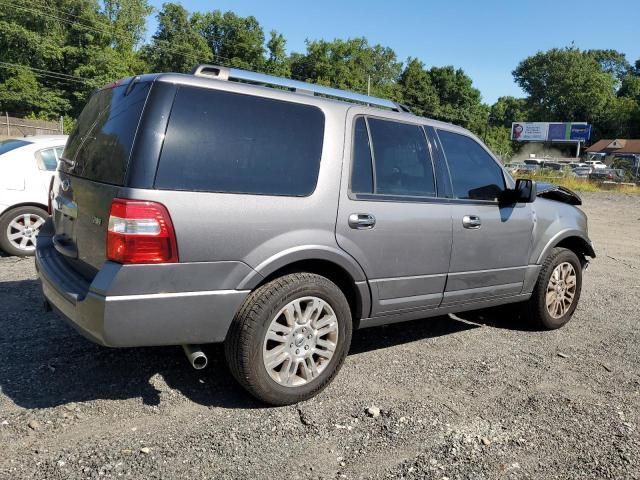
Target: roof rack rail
226	73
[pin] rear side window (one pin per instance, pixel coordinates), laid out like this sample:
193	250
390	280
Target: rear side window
46	160
401	159
99	146
227	142
474	173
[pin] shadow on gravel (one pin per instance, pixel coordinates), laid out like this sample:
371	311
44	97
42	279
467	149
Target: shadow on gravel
509	317
45	363
399	333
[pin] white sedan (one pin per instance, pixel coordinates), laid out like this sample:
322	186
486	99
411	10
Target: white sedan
26	167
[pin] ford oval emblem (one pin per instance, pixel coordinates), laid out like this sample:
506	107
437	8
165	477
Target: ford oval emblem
66	185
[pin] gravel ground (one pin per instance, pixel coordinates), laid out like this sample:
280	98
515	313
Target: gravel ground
475	396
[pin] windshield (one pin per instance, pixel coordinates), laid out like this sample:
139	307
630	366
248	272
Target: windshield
11	144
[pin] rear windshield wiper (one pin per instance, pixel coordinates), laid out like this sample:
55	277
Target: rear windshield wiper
70	163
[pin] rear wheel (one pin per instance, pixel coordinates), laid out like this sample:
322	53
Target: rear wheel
290	338
555	296
19	228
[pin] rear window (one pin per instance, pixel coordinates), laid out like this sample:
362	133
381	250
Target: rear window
227	142
99	146
11	144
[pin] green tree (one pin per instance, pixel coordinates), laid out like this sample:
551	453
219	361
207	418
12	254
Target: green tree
507	110
630	88
565	85
460	101
178	43
278	63
233	40
417	90
612	62
66	49
349	64
498	139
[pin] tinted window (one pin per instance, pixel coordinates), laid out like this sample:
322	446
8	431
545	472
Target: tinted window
226	142
101	142
47	160
8	145
474	173
362	175
401	156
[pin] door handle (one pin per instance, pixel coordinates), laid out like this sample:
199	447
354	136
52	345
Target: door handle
471	221
362	221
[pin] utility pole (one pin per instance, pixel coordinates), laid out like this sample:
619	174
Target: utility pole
368	84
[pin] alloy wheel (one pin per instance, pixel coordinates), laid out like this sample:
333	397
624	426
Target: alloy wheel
300	341
23	230
561	290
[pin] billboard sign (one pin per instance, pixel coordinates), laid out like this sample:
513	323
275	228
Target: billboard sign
529	131
550	132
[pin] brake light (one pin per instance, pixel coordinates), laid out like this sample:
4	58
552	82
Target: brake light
50	197
140	232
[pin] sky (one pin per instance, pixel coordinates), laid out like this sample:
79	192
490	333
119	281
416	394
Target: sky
486	38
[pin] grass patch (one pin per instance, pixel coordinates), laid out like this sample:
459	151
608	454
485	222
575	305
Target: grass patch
583	184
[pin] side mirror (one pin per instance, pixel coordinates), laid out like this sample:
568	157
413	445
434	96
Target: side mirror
525	191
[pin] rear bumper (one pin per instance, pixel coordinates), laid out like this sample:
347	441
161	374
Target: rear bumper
173	318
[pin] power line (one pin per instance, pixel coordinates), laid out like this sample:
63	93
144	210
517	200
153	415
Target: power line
46	73
115	34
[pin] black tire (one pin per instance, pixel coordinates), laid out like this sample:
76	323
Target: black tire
537	307
5	220
244	343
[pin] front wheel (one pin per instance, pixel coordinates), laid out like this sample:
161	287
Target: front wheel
290	338
19	228
556	294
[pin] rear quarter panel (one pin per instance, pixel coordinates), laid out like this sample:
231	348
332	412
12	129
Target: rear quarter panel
256	229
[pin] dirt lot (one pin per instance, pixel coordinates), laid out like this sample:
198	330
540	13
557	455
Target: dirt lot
479	396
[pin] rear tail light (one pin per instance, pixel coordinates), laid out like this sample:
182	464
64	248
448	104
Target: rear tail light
50	197
140	232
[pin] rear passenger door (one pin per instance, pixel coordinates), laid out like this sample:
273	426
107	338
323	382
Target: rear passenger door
491	242
390	217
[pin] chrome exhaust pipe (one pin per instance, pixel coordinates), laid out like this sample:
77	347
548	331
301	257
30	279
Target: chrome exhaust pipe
196	356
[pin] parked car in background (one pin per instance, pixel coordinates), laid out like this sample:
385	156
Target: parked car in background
514	167
581	172
26	167
596	164
607	174
278	221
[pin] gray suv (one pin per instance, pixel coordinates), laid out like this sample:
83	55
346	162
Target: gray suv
278	216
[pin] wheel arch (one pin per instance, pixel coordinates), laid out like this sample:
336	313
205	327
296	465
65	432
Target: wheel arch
23	204
335	265
573	240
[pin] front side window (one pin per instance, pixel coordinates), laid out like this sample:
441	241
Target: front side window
46	160
400	158
474	173
233	143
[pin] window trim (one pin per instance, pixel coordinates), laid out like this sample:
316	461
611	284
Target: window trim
473	201
384	197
